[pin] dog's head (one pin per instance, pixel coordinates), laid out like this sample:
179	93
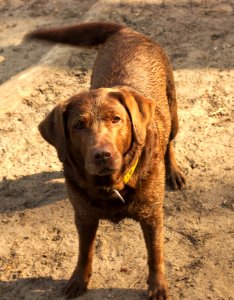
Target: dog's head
99	128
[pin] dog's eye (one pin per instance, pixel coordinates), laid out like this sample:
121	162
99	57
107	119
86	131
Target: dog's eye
116	119
80	125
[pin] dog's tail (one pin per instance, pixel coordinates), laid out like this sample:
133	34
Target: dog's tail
82	35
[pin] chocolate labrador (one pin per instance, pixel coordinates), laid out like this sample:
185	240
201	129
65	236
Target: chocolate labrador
116	142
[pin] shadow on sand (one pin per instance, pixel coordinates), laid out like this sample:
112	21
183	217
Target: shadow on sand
45	288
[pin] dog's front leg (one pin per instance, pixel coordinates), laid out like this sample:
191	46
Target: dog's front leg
79	280
153	234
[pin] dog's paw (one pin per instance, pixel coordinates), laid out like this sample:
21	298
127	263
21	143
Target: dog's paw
176	179
158	293
74	288
158	288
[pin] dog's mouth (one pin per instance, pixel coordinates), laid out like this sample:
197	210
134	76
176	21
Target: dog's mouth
105	168
106	171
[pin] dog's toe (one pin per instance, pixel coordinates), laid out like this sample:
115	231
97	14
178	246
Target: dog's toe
176	179
159	293
74	288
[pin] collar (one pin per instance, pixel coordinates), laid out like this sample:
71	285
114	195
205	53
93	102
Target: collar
128	175
126	179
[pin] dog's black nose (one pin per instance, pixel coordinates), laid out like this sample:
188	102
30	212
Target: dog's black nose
102	155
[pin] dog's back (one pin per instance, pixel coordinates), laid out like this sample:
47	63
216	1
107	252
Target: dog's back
129	58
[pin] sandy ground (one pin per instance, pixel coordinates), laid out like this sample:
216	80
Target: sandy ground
38	238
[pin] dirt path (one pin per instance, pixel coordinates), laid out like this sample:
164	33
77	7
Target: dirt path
38	238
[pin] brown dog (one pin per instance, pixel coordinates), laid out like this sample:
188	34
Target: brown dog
115	141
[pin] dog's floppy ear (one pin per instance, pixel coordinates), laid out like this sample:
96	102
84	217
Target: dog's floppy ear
140	110
53	131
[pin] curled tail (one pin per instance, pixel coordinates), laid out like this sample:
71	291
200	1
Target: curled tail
83	35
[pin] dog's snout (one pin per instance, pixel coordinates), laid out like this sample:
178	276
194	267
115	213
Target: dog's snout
103	160
102	155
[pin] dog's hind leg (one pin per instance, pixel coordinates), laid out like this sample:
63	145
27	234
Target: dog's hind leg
174	176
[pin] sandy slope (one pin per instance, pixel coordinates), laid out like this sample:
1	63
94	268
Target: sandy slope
38	238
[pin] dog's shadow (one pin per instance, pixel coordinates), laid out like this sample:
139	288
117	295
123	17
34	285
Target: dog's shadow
45	288
31	191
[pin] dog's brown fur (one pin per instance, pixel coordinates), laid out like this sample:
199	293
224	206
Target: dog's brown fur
129	114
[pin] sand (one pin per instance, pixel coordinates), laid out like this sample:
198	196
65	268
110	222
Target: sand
38	238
